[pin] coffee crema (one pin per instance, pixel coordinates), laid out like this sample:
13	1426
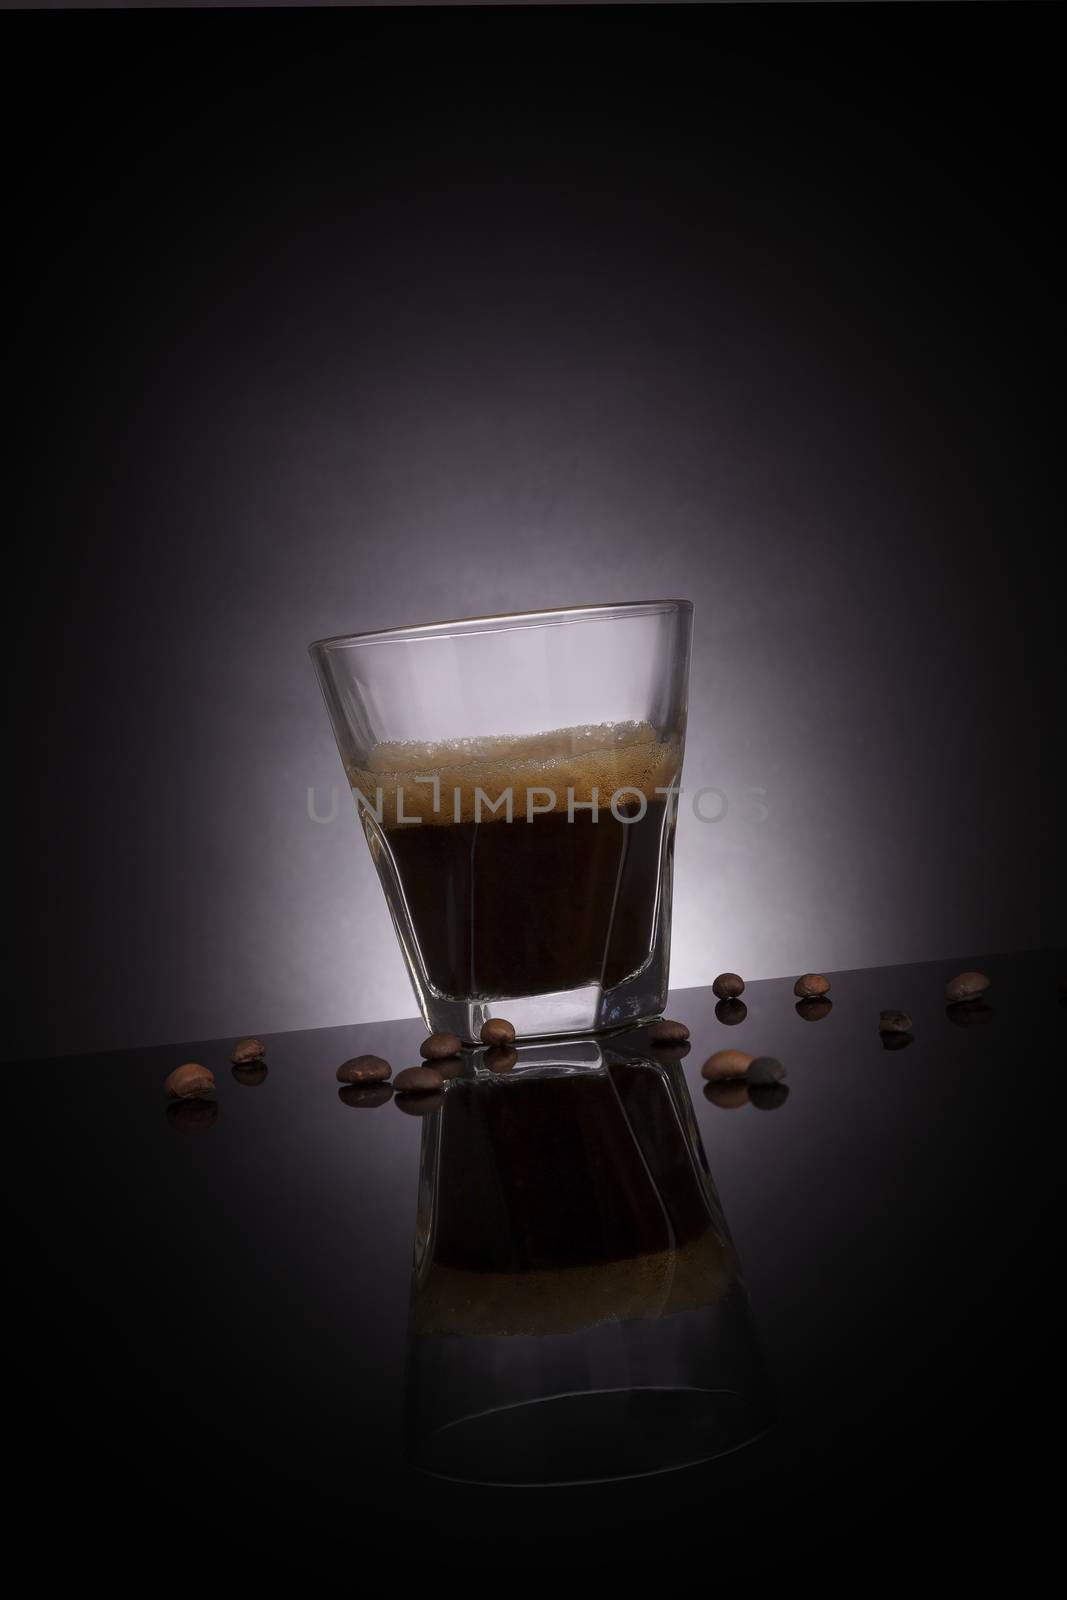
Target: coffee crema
412	783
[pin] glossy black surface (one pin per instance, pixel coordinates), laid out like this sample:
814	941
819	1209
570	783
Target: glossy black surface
208	1311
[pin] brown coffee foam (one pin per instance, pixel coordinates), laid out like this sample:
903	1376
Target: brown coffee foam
607	757
571	1299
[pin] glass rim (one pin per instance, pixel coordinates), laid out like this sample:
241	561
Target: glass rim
503	622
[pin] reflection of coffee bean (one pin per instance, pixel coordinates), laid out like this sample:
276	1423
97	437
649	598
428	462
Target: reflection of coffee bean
763	1071
768	1096
894	1022
193	1116
667	1032
895	1041
726	1064
500	1059
189	1081
451	1067
815	1008
672	1052
498	1030
366	1097
251	1073
418	1080
246	1050
728	985
731	1012
364	1069
811	984
439	1046
966	986
419	1105
970	1013
727	1096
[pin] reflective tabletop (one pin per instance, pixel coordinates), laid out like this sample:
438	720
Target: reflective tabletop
590	1309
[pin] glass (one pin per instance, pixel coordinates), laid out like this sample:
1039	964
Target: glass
516	779
577	1311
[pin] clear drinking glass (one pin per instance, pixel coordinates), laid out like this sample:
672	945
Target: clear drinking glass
516	779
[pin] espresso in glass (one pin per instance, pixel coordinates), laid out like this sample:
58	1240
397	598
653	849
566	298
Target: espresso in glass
528	865
516	779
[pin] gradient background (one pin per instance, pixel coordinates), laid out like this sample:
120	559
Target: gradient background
336	321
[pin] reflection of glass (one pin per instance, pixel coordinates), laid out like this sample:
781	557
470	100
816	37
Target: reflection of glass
577	1312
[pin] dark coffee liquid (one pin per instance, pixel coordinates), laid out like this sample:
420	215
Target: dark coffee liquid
578	1171
525	908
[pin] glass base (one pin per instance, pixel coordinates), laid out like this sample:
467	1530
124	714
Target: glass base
589	1009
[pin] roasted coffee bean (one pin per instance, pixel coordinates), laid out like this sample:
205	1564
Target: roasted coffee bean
246	1050
664	1031
810	985
895	1041
815	1009
764	1070
418	1080
731	1012
668	1051
498	1030
727	1096
193	1116
439	1046
768	1096
189	1081
251	1073
366	1097
419	1105
970	1013
894	1022
728	985
501	1058
364	1069
966	986
726	1064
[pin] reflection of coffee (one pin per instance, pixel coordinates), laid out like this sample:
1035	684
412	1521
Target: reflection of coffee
552	900
561	1203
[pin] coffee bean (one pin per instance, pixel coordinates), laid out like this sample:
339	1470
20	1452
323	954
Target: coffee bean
364	1069
246	1050
676	1051
966	986
498	1030
894	1022
439	1046
500	1058
193	1116
252	1074
664	1031
814	1009
726	1064
728	985
189	1081
768	1096
727	1096
764	1070
731	1012
418	1080
970	1013
365	1097
895	1041
419	1105
810	985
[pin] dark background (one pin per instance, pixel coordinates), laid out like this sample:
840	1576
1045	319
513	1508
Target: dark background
329	321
